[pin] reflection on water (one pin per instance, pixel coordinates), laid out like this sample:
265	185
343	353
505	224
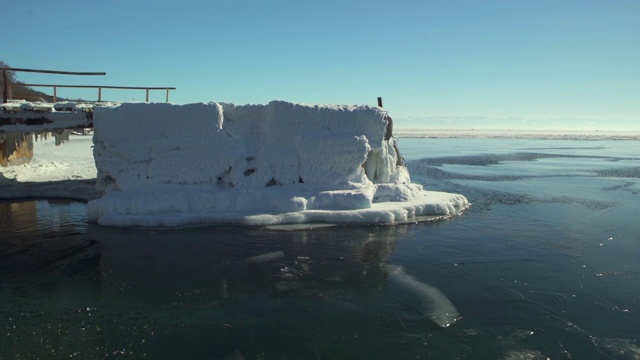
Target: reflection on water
83	291
39	238
543	265
22	216
247	293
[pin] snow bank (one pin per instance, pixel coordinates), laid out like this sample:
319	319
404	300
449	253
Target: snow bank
281	163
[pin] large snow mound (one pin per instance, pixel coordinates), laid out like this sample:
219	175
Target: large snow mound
280	163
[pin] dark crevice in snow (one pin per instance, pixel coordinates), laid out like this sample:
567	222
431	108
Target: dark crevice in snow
272	182
223	180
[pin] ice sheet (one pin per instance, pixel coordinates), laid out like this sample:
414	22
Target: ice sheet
280	163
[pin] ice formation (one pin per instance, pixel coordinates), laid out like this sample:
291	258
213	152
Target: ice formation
281	163
436	306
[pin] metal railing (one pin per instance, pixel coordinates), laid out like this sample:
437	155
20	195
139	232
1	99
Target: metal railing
99	87
8	88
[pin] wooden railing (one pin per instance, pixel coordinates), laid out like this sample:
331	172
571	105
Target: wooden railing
7	90
100	87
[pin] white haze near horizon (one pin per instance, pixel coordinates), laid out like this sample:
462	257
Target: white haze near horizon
516	123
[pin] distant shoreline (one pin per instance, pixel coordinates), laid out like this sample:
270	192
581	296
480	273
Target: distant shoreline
518	134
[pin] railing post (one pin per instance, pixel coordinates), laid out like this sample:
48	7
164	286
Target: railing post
147	98
55	94
379	101
167	99
99	94
5	87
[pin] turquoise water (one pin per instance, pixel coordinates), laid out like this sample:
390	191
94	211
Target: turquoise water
543	265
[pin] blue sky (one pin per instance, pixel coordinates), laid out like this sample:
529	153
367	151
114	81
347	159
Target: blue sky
447	58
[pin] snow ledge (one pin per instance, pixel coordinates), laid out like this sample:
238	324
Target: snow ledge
164	165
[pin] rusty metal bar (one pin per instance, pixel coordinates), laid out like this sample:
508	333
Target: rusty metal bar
55	71
103	86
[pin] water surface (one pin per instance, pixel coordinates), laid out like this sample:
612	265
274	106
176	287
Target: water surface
543	265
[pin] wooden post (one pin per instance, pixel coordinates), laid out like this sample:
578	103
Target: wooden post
5	89
147	99
379	101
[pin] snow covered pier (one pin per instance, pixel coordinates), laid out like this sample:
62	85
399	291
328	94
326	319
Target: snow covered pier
40	116
164	165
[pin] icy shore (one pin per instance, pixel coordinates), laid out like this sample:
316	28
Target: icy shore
164	165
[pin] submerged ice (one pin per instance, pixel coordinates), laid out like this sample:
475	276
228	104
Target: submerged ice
436	306
280	163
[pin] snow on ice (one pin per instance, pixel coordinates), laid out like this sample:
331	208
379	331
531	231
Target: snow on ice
165	165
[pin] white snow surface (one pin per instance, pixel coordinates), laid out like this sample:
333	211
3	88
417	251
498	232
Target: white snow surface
69	161
165	165
65	171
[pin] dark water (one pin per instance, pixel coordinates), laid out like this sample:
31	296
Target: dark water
545	264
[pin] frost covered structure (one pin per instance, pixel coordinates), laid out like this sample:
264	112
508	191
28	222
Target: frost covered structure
280	163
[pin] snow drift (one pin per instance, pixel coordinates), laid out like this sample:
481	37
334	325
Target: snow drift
216	163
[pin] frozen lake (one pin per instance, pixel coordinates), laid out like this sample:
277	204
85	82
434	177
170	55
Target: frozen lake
543	265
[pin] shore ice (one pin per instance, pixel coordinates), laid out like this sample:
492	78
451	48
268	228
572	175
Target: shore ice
164	165
65	171
51	162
